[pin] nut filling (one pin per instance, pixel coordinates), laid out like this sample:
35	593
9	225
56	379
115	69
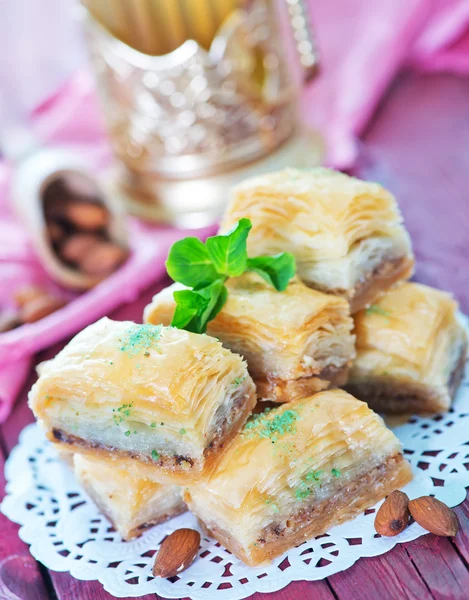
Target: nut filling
313	512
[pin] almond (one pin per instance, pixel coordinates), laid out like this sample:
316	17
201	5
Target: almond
86	215
434	516
393	515
55	231
41	307
77	246
176	553
103	258
27	293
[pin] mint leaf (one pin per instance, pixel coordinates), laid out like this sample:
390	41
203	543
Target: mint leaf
195	308
215	296
276	270
188	305
189	263
219	304
205	268
228	252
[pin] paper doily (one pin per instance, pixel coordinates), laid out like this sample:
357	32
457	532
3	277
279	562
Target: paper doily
67	533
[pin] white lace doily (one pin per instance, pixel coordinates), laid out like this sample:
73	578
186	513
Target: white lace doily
67	533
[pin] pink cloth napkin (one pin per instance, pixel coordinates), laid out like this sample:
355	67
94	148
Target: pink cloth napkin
71	116
362	45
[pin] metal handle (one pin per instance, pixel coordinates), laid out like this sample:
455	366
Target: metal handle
304	39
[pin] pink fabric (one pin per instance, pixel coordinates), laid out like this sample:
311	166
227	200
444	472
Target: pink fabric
362	45
71	116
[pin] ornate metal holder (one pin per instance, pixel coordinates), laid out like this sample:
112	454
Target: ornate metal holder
189	124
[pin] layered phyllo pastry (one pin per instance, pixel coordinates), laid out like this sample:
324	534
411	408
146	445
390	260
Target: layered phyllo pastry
129	500
346	234
166	397
295	342
296	471
411	351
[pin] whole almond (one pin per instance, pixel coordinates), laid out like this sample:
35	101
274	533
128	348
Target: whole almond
86	215
434	516
41	307
393	515
55	231
27	293
176	553
75	247
102	259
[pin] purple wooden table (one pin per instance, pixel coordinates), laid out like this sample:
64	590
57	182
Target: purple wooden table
418	146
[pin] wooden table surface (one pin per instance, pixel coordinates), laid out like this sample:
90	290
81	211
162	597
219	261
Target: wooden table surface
418	146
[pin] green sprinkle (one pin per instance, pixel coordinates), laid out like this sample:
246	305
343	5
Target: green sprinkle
127	433
182	431
336	472
302	493
313	476
140	338
238	381
121	412
155	455
110	362
374	309
153	424
135	432
274	506
272	425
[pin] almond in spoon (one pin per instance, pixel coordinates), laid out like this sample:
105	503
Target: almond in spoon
434	516
176	553
77	245
393	515
86	216
102	259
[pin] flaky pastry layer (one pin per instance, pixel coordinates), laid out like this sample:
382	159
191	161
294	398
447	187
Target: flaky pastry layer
342	231
410	351
296	341
276	483
131	501
166	397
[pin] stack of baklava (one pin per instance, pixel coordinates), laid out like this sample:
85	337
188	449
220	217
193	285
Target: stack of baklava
149	409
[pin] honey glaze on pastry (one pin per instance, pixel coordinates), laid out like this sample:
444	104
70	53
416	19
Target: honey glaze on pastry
411	351
296	471
166	397
295	342
346	234
126	497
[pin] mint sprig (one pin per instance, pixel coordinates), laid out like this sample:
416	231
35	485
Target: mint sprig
206	267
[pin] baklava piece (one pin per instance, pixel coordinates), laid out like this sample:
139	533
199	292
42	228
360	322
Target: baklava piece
411	351
347	235
296	471
164	396
295	342
130	501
